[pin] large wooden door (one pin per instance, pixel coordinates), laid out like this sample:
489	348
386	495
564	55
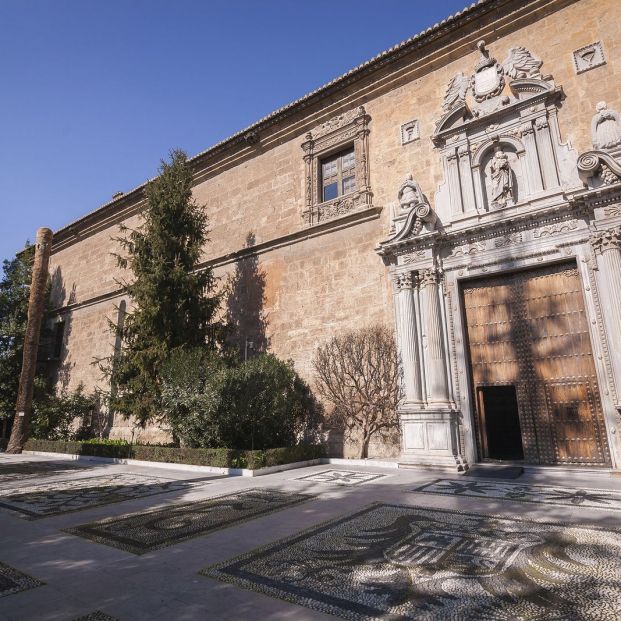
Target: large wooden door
529	330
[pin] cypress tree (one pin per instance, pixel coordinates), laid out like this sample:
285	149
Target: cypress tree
172	303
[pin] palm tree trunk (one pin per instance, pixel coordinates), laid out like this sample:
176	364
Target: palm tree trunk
36	305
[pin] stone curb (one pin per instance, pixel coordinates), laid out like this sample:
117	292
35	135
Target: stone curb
244	472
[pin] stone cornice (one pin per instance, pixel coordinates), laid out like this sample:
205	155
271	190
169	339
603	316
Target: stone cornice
254	138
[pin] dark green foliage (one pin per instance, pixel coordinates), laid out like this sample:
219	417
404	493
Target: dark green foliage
53	414
14	292
261	404
174	305
221	458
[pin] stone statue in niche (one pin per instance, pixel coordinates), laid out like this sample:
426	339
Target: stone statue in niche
502	179
605	127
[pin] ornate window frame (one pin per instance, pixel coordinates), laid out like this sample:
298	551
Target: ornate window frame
336	134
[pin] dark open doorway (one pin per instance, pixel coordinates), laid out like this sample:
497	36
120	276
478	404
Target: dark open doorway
500	422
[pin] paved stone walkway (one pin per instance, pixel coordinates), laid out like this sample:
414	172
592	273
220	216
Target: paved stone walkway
159	544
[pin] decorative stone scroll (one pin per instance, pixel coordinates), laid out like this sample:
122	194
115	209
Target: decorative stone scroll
411	215
350	128
602	165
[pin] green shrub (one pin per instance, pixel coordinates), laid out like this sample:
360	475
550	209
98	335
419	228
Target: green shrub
216	457
54	415
106	441
260	404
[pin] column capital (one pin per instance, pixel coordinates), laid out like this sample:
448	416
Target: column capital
541	122
431	276
609	239
402	281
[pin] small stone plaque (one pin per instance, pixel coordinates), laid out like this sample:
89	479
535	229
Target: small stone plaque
589	57
410	132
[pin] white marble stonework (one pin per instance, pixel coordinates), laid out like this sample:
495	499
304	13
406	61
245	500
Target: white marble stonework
513	197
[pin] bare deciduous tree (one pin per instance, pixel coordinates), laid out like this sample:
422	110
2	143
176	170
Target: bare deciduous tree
360	374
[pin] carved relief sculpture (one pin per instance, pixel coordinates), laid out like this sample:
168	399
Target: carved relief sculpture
456	92
502	179
522	64
605	127
488	80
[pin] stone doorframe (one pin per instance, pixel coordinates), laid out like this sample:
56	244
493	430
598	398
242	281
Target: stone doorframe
437	414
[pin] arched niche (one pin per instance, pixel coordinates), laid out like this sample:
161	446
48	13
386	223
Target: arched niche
499	173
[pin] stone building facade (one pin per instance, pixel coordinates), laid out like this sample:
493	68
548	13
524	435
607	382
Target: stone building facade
463	187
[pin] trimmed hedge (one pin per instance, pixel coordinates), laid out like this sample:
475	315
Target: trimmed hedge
220	457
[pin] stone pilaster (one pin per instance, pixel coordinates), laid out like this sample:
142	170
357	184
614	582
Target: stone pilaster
465	177
434	351
452	174
607	247
533	174
546	153
407	337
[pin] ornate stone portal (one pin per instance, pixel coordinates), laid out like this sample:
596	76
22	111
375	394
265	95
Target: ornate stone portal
512	199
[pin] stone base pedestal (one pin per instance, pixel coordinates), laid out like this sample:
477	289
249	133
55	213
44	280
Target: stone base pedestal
430	438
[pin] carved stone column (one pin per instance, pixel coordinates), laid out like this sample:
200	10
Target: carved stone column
607	246
546	153
407	338
434	353
533	172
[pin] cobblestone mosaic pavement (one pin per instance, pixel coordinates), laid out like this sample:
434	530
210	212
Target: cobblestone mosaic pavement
342	477
35	469
142	532
14	581
57	497
96	616
543	494
404	562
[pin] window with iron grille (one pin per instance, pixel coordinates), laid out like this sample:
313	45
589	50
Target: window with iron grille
338	174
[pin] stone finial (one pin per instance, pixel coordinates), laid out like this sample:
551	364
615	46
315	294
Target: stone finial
485	60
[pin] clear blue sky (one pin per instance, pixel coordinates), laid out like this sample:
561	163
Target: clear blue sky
95	93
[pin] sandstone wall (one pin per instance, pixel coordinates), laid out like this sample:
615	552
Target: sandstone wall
319	286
